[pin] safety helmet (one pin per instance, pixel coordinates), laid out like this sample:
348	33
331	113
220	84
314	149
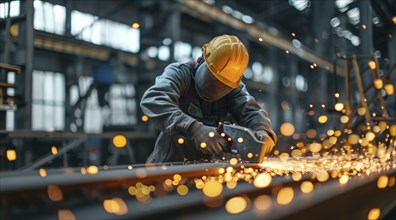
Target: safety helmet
227	58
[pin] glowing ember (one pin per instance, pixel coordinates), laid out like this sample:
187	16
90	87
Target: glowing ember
236	205
378	83
262	202
54	193
389	89
64	214
306	187
344	119
285	196
42	172
182	190
296	176
119	141
92	170
374	214
382	182
54	150
344	179
180	141
287	129
262	180
233	161
177	177
372	64
135	25
145	118
322	119
212	188
11	155
339	106
115	206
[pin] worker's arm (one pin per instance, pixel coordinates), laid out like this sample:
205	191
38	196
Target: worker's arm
161	101
248	113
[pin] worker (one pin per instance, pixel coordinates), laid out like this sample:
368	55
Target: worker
189	100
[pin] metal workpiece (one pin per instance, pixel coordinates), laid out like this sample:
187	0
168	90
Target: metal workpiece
302	188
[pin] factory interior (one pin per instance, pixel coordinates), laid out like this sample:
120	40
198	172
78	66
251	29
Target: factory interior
75	139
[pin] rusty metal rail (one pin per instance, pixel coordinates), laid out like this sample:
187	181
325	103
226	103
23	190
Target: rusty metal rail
26	195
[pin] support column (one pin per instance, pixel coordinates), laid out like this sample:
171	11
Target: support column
23	119
366	34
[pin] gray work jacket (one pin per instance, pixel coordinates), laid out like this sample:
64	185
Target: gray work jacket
172	104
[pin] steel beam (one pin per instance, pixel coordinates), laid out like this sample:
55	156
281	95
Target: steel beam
84	194
202	10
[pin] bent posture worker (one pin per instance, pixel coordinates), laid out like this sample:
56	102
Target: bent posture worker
189	100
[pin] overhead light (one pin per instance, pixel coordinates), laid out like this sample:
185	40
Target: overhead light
354	16
237	14
355	41
299	4
227	9
334	22
209	2
376	20
296	43
342	5
247	19
167	41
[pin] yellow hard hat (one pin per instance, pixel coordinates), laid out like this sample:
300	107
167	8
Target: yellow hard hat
227	58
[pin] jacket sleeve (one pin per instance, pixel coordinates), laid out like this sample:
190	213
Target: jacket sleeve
247	112
161	101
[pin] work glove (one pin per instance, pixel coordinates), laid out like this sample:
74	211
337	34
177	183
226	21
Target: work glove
207	139
264	137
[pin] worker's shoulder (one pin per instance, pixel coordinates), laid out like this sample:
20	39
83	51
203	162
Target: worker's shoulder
179	69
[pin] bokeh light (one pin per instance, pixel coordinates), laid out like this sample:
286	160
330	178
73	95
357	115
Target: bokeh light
119	141
236	205
285	196
287	129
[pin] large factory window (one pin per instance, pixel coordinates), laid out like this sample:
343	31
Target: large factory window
182	51
122	104
102	31
301	83
48	105
14	10
163	53
119	109
260	73
49	17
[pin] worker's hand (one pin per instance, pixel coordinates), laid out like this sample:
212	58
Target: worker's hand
264	137
208	140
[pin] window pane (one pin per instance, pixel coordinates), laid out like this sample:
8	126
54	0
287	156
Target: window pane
102	32
13	12
48	100
73	94
48	17
10	117
38	15
59	117
37	117
48	85
59	84
93	121
37	85
48	117
59	19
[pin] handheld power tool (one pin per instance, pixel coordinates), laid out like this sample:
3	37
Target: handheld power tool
243	141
